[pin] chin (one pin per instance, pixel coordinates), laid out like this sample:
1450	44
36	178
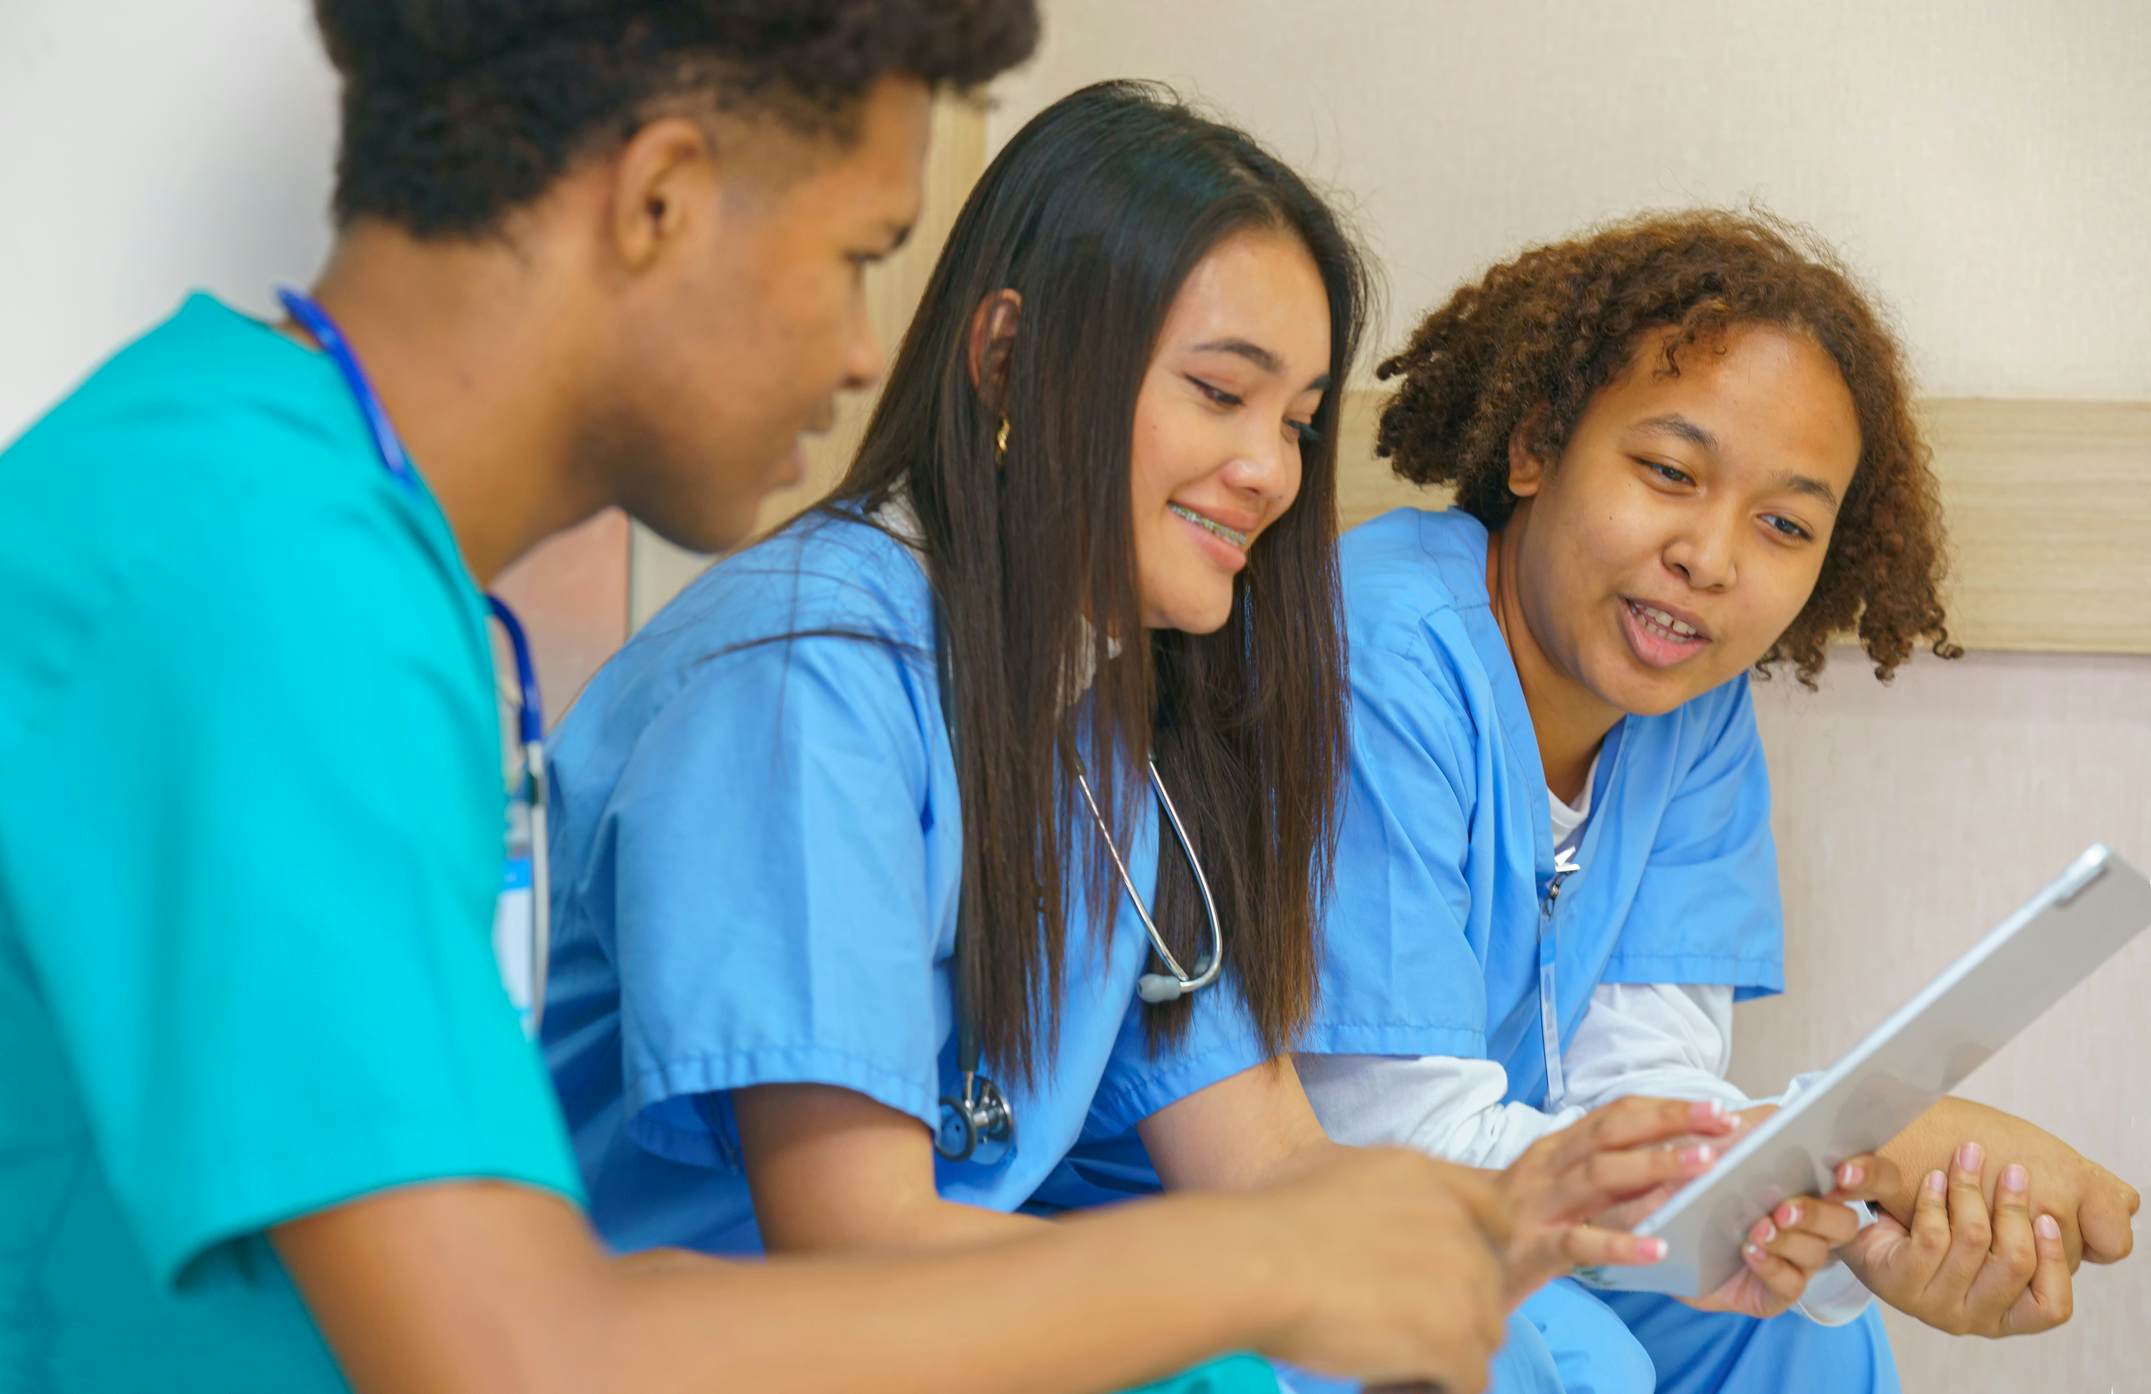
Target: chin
719	526
1194	618
1654	694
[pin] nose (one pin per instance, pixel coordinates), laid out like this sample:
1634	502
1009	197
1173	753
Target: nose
863	361
1266	473
1704	551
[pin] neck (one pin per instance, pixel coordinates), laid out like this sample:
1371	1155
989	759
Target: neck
1569	720
455	338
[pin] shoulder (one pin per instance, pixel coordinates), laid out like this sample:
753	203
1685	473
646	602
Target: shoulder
194	519
827	620
213	447
1404	570
828	570
1413	583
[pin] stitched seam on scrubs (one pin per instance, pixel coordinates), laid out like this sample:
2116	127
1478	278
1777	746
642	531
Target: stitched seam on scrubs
1391	1038
1728	970
724	1071
1124	1105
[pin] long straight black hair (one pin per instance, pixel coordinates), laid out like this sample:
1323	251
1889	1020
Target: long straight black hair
1095	214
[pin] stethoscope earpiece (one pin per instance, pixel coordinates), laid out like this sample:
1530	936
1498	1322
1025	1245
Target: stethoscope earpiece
1156	988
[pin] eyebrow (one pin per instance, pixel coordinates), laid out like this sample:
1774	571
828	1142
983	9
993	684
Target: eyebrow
1681	426
1809	485
1261	357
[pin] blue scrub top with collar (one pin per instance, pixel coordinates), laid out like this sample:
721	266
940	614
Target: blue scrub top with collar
756	845
1442	937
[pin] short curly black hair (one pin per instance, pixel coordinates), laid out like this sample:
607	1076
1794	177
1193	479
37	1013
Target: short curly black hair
457	112
1529	345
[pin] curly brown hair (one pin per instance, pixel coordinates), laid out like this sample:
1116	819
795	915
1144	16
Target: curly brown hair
1532	342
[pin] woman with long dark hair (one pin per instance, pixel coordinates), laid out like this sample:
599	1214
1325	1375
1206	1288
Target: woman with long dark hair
974	813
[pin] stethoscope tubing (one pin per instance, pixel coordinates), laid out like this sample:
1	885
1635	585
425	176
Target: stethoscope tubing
981	1099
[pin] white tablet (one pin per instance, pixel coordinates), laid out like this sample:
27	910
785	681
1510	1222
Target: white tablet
1912	1059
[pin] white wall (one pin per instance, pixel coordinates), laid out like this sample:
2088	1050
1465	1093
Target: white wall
1987	165
147	149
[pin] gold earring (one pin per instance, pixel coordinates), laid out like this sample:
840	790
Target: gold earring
1000	441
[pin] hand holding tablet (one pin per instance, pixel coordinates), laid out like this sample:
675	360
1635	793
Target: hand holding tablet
1913	1058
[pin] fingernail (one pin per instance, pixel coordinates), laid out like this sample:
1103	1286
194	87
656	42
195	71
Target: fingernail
1752	1253
1763	1232
1788	1215
2048	1227
1970	1156
1850	1175
1651	1250
1709	1110
1699	1156
1936	1183
2015	1178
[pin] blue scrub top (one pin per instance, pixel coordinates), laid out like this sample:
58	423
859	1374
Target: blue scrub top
1441	938
756	844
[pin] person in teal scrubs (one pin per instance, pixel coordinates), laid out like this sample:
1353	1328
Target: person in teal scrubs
268	1120
1088	535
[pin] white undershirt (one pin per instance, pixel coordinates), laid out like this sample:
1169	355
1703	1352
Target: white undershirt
1670	1040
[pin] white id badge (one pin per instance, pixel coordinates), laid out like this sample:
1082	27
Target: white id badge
514	937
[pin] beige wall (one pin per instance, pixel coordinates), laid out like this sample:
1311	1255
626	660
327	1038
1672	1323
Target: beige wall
1910	819
1987	164
1988	168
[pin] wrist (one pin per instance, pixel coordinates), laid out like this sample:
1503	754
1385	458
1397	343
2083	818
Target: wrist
1243	1258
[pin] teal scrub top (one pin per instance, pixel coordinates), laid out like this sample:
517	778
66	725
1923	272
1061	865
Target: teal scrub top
250	841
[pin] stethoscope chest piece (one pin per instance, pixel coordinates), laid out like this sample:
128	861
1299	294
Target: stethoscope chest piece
977	1126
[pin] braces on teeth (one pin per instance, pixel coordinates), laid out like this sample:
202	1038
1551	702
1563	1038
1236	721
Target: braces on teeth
1237	539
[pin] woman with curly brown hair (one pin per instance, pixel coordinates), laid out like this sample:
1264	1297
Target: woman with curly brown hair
1682	448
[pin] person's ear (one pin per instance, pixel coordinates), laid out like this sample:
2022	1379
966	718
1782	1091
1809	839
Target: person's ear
663	182
991	343
1527	468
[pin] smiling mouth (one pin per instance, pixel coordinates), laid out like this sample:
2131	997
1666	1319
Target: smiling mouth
1210	525
1659	622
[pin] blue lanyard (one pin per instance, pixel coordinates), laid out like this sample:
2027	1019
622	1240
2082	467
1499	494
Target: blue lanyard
523	965
530	711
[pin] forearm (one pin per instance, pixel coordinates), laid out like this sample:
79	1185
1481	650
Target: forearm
480	1288
890	1225
1029	1313
834	1171
1446	1108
